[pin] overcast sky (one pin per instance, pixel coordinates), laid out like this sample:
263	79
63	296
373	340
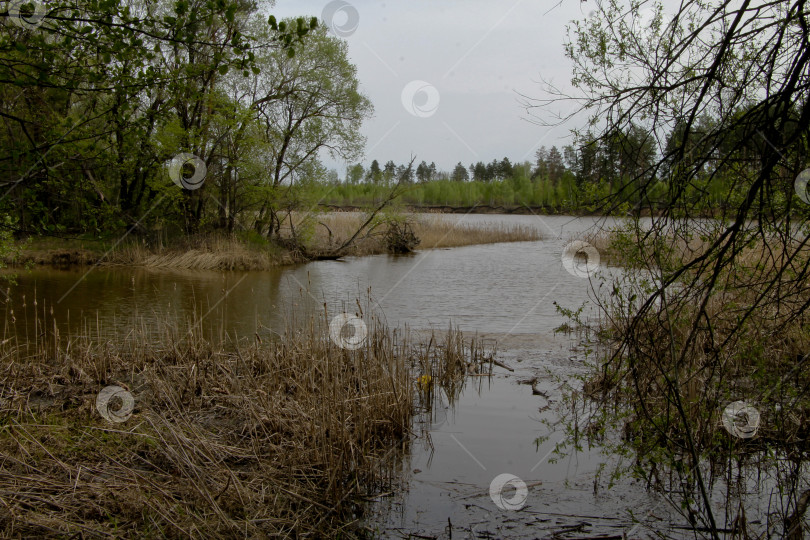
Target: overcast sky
445	75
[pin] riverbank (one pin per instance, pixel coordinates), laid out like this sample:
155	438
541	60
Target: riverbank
172	436
324	237
706	338
518	210
476	209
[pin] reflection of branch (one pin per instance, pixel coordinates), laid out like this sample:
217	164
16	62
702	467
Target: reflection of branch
395	192
793	524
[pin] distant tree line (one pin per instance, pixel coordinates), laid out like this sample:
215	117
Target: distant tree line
574	178
613	172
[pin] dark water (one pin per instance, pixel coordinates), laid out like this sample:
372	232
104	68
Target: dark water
503	292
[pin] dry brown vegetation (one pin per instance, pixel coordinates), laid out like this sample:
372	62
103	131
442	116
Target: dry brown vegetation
439	232
612	246
728	327
624	247
206	252
241	440
433	231
310	237
742	343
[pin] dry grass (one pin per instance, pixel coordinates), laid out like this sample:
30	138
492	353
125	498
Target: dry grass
210	252
616	246
440	232
604	242
732	327
433	231
201	252
749	340
318	234
255	440
612	246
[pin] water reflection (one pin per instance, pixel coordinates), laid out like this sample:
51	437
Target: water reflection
503	292
505	288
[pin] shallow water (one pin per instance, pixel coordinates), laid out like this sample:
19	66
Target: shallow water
496	427
504	292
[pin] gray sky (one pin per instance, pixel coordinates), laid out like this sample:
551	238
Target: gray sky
475	56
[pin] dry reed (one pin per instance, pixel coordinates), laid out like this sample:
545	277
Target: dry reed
318	234
433	231
748	343
258	439
439	232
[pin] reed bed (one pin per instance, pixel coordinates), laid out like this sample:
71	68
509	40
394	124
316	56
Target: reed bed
614	246
706	380
309	236
204	252
629	247
439	232
255	439
747	338
200	252
433	231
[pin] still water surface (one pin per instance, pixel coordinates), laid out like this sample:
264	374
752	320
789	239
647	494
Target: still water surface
503	292
503	288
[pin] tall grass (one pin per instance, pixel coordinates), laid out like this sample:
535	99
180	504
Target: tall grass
244	439
203	252
433	231
727	327
318	234
440	232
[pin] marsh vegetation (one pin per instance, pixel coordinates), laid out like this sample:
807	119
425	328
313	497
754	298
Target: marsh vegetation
301	238
700	373
244	437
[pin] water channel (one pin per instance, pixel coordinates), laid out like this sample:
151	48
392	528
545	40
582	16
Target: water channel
504	293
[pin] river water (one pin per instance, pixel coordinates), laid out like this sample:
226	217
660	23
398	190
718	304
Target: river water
505	293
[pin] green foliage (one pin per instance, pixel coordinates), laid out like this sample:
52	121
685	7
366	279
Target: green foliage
95	111
9	249
708	311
